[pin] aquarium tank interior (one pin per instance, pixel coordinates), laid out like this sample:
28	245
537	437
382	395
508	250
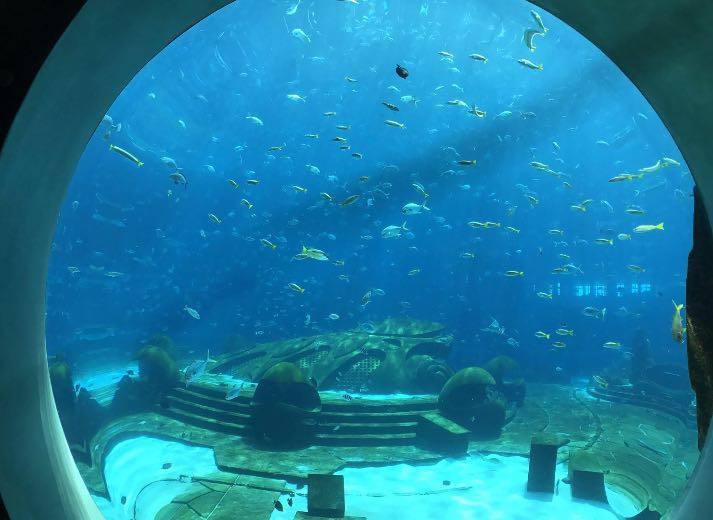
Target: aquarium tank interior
376	259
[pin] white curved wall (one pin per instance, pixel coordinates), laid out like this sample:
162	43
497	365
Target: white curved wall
106	44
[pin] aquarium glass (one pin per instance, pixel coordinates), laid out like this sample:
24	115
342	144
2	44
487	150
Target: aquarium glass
404	242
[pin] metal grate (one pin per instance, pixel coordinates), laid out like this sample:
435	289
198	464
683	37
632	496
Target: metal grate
308	361
359	374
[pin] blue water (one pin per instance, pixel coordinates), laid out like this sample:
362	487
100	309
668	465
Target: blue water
191	104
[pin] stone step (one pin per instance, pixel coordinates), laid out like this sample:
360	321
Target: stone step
204	422
367	428
368	417
234	405
215	392
379	407
336	439
347	413
329	403
438	433
325	426
207	411
321	439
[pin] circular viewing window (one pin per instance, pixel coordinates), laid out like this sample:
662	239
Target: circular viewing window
303	193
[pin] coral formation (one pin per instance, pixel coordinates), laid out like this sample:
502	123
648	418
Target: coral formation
158	373
499	366
162	341
285	407
470	399
157	367
81	416
396	355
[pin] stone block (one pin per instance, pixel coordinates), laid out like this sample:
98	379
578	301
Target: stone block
543	459
301	515
325	495
586	477
438	433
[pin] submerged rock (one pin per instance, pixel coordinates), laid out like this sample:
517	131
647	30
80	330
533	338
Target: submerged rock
285	408
470	399
699	317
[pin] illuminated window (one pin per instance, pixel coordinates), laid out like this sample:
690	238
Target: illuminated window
582	290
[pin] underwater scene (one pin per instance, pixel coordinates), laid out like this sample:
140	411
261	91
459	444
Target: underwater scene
376	259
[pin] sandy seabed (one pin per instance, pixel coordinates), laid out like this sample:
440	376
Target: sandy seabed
480	487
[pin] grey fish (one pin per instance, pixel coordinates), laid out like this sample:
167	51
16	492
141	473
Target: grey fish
196	368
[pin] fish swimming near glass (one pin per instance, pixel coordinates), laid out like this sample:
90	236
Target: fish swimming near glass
677	328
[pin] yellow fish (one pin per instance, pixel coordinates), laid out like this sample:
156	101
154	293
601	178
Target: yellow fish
326	196
127	154
419	187
645	228
233	183
349	200
296	287
545	295
214	218
310	252
677	330
626	177
611	344
514	273
299	189
605	241
542	335
267	243
253	182
529	64
246	203
601	381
